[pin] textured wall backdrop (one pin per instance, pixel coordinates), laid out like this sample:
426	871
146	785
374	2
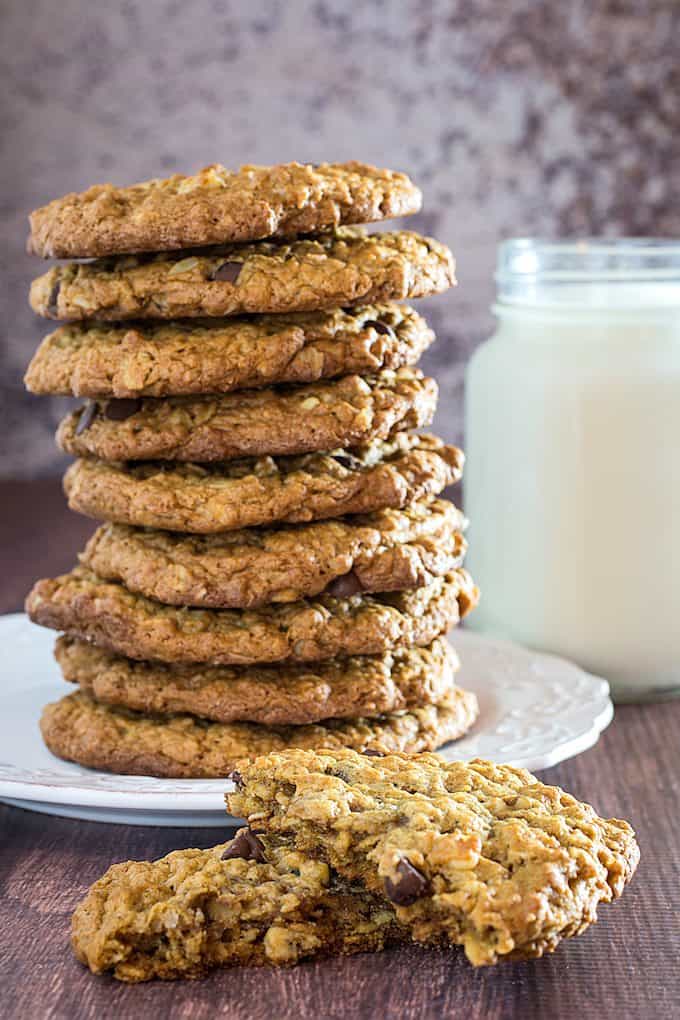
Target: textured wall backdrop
516	117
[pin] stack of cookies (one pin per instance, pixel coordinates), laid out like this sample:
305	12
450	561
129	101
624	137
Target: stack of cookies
275	568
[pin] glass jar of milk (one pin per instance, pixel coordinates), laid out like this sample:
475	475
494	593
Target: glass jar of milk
572	481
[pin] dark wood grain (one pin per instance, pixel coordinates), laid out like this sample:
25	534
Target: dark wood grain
627	966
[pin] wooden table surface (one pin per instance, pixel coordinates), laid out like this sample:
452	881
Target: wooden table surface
627	966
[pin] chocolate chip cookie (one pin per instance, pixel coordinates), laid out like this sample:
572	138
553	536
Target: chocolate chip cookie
79	729
342	268
481	854
389	550
206	499
85	606
160	359
253	423
363	686
250	901
217	205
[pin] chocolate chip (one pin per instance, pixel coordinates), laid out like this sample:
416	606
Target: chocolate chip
346	460
87	416
236	778
52	301
121	408
410	886
247	846
228	272
370	752
343	587
380	327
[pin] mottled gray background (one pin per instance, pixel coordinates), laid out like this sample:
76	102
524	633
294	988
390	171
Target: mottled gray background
516	117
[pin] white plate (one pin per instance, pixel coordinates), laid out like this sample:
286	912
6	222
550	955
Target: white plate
535	710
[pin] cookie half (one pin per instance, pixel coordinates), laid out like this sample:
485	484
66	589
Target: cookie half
206	499
253	423
79	729
87	607
273	695
343	268
217	205
248	902
160	359
482	855
390	550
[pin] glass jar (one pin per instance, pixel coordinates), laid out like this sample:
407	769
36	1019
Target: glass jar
572	481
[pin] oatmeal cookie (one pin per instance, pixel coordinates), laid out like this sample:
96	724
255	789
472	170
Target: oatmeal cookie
217	205
344	268
362	685
207	499
192	356
282	421
250	901
389	550
79	729
481	854
85	606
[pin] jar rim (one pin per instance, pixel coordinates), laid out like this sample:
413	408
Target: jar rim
589	270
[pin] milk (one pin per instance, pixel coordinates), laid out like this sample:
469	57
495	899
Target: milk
573	464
